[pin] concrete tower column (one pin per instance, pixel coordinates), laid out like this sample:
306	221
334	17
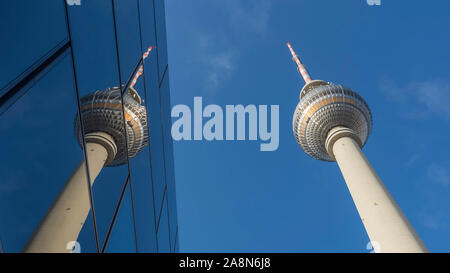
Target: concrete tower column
388	228
65	218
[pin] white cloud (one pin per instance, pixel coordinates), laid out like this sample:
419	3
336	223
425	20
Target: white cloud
252	15
412	159
219	67
13	183
212	41
245	16
435	96
434	188
204	42
434	216
390	89
430	220
222	61
439	173
432	97
217	62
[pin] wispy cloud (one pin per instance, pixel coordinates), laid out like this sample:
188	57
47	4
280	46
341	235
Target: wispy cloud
432	98
435	96
423	100
434	215
244	17
434	188
439	173
412	159
13	183
213	41
391	90
217	62
220	67
251	15
430	219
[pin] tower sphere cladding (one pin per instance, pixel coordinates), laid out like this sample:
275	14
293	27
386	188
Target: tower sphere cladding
324	106
102	112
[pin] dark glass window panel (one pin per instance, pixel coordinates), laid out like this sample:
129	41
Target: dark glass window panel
168	149
143	202
127	21
106	193
155	132
30	29
39	153
141	173
122	236
147	23
163	230
152	101
160	17
86	237
177	242
141	169
94	45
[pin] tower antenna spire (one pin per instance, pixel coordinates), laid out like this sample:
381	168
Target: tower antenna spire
141	68
301	69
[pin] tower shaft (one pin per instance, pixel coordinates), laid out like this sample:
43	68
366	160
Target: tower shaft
65	218
388	228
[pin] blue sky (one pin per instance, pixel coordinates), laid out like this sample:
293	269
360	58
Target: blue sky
232	197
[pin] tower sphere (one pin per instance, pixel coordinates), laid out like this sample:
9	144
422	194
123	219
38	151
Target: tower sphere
324	106
102	112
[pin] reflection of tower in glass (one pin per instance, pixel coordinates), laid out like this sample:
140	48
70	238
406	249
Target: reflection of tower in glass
102	112
105	146
108	143
332	123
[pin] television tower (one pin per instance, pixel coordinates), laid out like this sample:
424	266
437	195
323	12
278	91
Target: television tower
107	144
332	123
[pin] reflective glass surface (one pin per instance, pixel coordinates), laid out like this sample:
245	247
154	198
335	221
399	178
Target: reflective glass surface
177	243
22	46
94	44
163	230
168	149
155	133
122	238
161	37
39	153
44	138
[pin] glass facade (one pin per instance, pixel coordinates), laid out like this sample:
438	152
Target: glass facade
54	54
